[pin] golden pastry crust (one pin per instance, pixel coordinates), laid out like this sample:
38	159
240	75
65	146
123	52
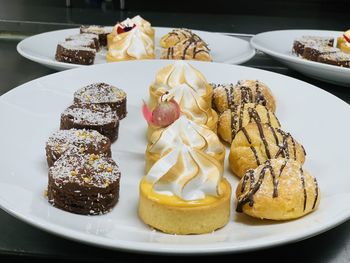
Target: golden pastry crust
188	49
226	96
279	190
186	218
341	44
175	36
256	143
232	120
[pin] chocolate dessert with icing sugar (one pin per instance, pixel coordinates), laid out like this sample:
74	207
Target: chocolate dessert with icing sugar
85	184
76	52
234	119
278	189
228	96
88	38
103	94
100	31
82	141
257	142
91	116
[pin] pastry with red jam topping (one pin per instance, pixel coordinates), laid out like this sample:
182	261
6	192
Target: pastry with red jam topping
343	42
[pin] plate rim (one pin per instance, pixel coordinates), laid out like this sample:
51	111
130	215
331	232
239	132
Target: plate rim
290	57
149	248
62	65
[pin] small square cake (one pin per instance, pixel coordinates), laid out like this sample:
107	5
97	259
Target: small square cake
338	59
86	38
75	52
101	31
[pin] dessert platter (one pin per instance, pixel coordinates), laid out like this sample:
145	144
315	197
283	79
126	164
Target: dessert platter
320	54
181	157
132	39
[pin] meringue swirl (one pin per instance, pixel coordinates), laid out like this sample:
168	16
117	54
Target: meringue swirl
183	132
186	172
134	44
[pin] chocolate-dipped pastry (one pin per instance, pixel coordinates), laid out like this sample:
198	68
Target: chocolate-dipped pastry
257	142
91	116
82	141
84	184
102	93
279	189
232	120
227	96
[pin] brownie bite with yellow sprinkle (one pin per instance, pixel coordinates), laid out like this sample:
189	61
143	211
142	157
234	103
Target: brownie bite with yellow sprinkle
82	141
85	184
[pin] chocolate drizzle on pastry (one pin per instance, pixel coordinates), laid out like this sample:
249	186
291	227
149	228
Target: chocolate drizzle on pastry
254	185
237	116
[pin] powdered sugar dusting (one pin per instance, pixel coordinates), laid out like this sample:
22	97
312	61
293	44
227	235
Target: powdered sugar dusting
87	169
91	114
99	93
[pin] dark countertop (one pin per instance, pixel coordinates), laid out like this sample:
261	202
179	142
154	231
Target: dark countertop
19	241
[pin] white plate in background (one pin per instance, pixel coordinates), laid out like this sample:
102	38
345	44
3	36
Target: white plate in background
41	48
278	44
30	113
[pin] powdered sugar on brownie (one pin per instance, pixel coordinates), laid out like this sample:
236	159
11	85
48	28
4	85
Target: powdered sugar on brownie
85	169
92	114
99	93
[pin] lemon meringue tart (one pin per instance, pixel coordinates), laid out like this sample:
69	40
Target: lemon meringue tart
185	193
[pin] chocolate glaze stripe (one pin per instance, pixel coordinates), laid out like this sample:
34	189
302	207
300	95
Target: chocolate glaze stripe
316	193
255	155
302	179
248	197
246	135
262	136
260	98
245	179
241	111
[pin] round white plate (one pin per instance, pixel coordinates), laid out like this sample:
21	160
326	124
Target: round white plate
278	44
42	48
31	112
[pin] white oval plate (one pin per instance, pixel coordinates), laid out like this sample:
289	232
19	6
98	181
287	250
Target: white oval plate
31	112
42	48
278	44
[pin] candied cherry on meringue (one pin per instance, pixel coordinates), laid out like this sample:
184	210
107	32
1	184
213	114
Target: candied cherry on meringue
124	28
346	35
165	113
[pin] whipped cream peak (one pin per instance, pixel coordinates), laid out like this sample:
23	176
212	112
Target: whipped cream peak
186	172
189	165
185	132
180	73
132	44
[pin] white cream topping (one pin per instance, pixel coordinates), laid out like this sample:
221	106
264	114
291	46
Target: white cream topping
134	43
180	73
187	173
188	167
